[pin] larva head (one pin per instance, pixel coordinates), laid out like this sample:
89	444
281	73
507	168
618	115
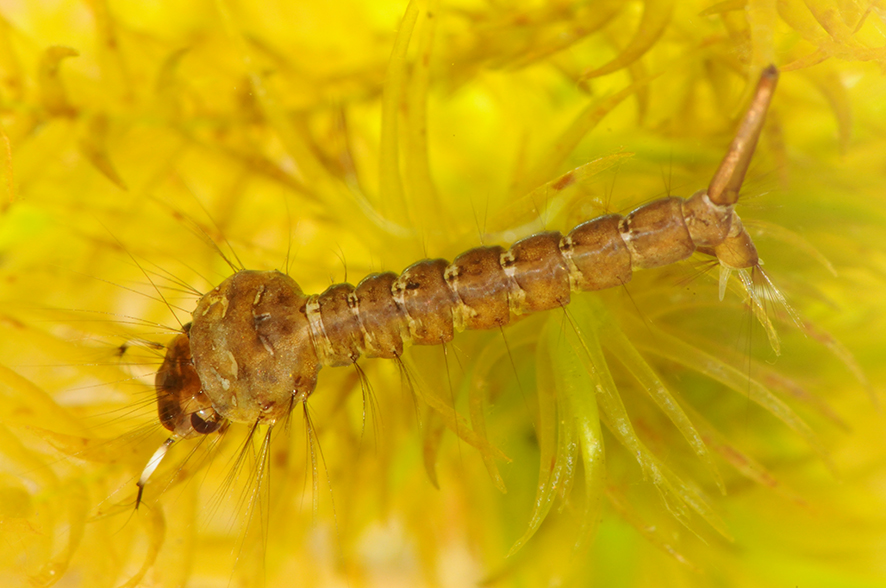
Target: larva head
183	407
251	346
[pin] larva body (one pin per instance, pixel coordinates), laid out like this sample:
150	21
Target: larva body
626	438
256	343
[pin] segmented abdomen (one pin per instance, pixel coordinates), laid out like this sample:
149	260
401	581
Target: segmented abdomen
485	287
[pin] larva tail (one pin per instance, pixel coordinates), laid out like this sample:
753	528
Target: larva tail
764	300
726	183
737	252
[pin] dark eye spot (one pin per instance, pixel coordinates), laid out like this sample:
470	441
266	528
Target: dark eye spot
208	425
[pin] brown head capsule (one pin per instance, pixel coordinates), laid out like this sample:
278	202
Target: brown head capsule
183	407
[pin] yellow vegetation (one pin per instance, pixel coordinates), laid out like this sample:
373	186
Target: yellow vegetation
655	436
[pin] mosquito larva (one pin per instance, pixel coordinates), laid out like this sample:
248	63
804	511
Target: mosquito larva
256	342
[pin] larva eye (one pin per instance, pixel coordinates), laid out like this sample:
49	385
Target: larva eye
206	421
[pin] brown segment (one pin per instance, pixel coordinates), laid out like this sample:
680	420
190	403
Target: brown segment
482	285
737	251
340	324
428	300
599	254
380	316
656	234
540	271
707	222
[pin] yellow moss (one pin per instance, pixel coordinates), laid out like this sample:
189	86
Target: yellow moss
650	437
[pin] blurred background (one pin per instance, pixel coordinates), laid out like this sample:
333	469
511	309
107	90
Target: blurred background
653	436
